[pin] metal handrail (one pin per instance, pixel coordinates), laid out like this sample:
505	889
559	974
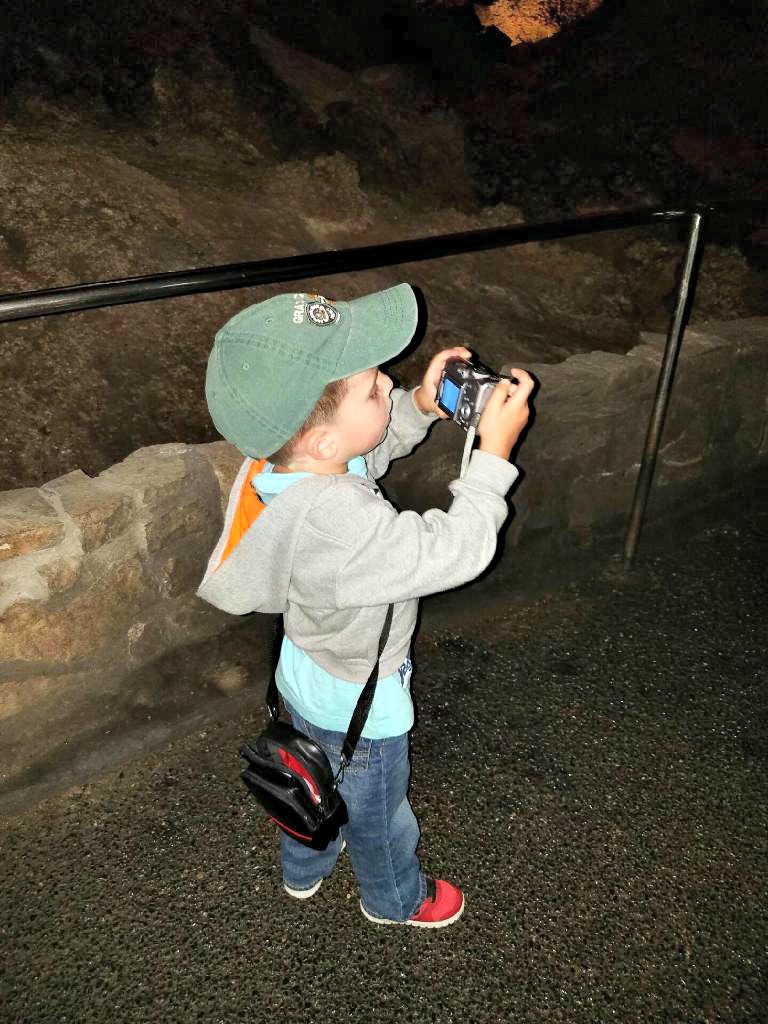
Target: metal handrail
96	295
72	298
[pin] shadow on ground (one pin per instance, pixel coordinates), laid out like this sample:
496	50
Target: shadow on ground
590	765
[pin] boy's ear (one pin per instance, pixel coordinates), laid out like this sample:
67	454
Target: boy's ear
320	444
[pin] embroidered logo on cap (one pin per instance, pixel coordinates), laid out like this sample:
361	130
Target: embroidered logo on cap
321	311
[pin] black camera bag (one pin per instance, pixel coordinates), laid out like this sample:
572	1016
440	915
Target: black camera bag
290	775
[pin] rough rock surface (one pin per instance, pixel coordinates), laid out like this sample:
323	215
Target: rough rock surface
529	21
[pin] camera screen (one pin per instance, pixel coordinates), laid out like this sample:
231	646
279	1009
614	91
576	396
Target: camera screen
449	396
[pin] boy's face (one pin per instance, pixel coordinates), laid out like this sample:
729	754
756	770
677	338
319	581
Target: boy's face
362	417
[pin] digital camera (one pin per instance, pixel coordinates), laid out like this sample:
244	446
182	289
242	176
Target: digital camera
465	387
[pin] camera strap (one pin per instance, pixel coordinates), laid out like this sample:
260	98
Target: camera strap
468	445
364	701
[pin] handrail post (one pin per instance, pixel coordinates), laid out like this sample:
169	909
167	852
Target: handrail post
685	292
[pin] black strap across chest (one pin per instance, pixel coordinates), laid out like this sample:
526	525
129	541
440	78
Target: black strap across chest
364	701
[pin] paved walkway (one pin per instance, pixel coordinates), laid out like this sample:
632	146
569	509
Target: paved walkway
590	765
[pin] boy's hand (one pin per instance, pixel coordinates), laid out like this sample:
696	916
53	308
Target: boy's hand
426	393
505	415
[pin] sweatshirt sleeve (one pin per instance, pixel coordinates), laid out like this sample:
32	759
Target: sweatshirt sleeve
408	426
383	556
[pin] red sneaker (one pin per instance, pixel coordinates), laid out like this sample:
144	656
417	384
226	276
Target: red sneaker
444	905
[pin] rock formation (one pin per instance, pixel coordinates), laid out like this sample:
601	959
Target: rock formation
530	21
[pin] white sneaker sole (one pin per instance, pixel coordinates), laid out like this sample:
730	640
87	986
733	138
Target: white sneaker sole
416	924
304	894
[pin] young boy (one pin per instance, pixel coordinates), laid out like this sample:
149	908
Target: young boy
293	382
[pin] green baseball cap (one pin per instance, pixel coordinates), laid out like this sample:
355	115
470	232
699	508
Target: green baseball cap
271	362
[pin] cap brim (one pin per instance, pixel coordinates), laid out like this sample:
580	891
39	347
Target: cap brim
382	325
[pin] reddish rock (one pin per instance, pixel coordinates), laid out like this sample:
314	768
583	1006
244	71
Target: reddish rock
27	523
91	621
99	514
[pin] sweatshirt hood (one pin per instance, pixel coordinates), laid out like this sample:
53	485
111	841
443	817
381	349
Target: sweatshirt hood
250	568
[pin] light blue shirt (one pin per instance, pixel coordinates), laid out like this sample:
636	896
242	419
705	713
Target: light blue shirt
316	694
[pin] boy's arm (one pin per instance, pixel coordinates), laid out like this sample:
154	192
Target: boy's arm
373	555
362	552
407	427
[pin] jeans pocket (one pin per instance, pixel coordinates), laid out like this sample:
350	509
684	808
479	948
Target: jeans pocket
360	758
332	742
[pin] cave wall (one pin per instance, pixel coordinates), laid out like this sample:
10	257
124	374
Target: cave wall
105	651
140	137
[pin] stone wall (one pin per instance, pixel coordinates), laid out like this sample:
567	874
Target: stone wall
103	644
583	451
105	651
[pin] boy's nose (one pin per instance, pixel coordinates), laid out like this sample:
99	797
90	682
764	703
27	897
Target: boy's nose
387	381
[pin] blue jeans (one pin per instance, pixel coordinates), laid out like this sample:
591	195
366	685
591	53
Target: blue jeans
382	832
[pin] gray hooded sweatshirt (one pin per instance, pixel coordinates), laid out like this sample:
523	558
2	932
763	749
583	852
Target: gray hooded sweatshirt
331	553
